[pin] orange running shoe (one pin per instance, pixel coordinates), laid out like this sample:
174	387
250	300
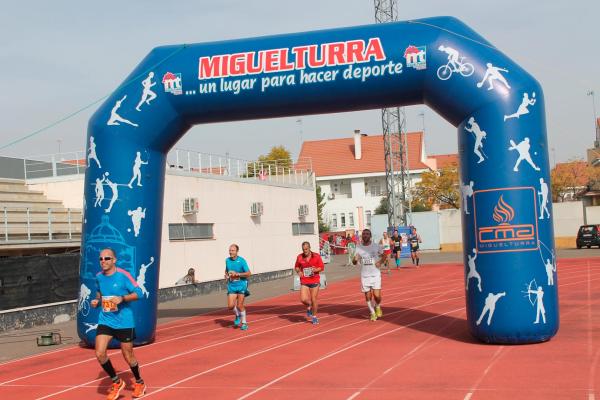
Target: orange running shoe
115	390
139	389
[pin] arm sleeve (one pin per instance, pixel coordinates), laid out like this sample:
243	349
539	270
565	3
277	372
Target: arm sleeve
245	266
297	263
132	286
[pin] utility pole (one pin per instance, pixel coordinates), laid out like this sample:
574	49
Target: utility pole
393	120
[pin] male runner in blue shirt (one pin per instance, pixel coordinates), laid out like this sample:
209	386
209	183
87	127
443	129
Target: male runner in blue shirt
236	274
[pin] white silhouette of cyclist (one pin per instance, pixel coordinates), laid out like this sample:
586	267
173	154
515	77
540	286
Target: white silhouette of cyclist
523	150
116	119
493	74
455	64
479	136
452	56
147	94
490	306
522	110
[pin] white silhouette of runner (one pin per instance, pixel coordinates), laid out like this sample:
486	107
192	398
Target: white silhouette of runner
550	270
141	279
91	327
539	292
136	219
523	150
137	173
493	74
115	118
467	191
92	153
115	192
522	110
99	191
479	136
543	193
490	306
147	94
473	271
452	56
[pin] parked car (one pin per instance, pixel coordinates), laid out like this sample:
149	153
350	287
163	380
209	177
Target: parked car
588	235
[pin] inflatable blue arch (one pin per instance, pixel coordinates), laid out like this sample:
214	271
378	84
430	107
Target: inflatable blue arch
498	108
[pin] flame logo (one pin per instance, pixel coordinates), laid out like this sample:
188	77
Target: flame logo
503	213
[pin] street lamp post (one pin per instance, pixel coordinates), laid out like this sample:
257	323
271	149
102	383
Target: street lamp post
596	128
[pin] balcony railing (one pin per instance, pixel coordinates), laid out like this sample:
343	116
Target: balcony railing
20	224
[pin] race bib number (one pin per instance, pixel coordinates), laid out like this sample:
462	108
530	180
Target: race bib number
307	272
414	244
108	305
367	260
233	278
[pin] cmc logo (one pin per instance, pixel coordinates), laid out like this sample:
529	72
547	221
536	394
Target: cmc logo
505	220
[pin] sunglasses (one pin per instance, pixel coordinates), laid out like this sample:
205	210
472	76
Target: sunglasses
105	258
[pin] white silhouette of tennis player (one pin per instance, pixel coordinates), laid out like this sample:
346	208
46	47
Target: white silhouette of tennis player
490	306
92	153
467	191
493	74
137	173
522	110
479	136
523	150
147	94
115	118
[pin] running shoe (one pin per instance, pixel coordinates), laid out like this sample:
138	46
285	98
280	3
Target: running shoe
236	321
373	317
244	327
308	312
139	389
315	320
378	312
115	390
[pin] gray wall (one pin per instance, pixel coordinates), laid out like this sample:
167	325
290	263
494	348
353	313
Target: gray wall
11	168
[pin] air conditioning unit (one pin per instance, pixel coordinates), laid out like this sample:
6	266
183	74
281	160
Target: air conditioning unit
190	205
331	196
303	210
256	209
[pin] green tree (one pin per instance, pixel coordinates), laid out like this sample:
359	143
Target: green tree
277	162
438	187
383	206
323	227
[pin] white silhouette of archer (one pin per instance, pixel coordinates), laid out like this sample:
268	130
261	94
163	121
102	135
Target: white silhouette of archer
467	191
479	136
543	193
99	191
136	219
147	94
141	279
522	110
550	270
472	271
91	327
539	292
92	153
523	150
115	192
492	74
115	118
137	173
490	306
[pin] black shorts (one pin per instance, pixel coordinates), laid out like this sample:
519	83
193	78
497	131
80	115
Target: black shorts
397	249
414	249
122	335
311	285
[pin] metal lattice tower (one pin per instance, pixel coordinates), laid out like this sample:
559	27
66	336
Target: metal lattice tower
397	175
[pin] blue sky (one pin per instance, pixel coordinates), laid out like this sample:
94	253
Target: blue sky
57	57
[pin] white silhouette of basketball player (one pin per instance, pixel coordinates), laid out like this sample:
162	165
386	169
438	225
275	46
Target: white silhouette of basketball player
452	56
472	271
92	153
523	150
479	136
539	292
467	191
490	306
522	110
136	219
91	327
141	279
137	173
543	193
493	74
115	118
147	94
115	192
99	191
550	270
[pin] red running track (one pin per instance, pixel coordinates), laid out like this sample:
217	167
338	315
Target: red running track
421	349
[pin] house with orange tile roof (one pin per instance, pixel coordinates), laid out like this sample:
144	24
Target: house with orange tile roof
351	174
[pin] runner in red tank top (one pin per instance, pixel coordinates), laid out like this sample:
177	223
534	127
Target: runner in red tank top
308	266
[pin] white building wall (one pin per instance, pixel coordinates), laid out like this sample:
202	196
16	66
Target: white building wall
266	242
568	217
593	214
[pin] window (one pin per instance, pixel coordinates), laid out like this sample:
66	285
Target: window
303	228
368	218
375	189
190	231
335	187
350	219
343	220
334	220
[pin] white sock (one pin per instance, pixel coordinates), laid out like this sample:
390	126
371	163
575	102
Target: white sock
370	305
243	314
375	303
236	311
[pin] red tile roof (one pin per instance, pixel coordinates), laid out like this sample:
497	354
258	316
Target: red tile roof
445	160
332	157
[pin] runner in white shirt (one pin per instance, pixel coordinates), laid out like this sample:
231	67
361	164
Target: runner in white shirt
370	256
